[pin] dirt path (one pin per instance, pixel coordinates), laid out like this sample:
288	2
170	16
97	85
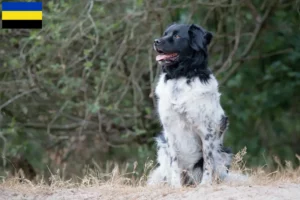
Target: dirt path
280	191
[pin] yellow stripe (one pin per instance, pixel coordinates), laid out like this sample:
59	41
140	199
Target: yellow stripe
22	15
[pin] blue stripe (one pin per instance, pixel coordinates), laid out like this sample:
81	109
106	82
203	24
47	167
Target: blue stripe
21	6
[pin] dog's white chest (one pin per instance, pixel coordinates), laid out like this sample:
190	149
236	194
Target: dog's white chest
174	99
171	103
177	100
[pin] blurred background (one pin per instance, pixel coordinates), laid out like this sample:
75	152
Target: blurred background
78	93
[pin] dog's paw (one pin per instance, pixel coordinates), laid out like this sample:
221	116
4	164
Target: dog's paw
205	183
206	180
176	186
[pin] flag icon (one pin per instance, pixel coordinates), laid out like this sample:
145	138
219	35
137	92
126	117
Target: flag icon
22	15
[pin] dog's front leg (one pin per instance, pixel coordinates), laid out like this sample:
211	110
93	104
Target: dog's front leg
176	177
175	171
208	155
214	161
209	150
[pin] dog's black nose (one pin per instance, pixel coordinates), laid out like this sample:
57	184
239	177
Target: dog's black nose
157	41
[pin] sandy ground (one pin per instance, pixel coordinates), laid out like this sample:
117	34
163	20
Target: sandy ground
282	184
275	190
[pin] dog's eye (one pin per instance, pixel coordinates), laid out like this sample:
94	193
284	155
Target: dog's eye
176	36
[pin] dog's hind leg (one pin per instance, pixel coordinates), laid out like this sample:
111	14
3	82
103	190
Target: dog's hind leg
224	124
226	153
224	162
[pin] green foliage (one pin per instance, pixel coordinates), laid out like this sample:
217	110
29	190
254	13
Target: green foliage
80	89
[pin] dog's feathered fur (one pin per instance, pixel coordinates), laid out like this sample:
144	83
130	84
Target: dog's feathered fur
190	148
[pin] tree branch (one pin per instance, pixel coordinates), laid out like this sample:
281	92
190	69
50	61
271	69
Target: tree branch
17	97
251	42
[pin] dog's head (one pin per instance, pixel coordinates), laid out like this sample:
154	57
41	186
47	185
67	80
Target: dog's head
182	43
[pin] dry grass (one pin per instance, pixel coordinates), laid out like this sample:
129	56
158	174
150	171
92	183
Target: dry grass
119	184
261	175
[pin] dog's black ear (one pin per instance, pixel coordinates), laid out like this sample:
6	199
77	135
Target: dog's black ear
208	37
199	38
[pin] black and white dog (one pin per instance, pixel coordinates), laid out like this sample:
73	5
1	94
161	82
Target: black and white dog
190	149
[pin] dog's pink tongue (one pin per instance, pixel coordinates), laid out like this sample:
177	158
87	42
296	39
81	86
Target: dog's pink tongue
165	56
161	57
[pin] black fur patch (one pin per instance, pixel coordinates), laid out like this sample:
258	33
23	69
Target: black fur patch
189	71
226	150
223	124
208	136
186	179
199	164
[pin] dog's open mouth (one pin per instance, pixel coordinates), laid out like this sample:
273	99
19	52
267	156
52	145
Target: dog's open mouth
166	57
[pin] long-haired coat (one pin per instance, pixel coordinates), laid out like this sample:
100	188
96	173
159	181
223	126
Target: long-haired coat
190	148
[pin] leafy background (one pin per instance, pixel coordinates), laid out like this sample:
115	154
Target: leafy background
78	93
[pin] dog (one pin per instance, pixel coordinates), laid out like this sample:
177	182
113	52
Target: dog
190	147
